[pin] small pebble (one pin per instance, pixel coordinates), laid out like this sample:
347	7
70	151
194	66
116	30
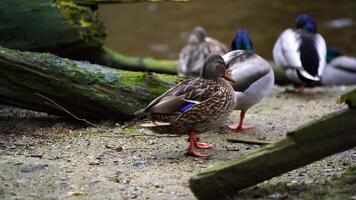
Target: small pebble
37	154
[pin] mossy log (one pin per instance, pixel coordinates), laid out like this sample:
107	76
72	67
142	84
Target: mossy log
108	57
84	89
96	2
348	98
58	26
331	134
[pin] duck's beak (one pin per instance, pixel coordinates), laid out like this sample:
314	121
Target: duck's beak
228	77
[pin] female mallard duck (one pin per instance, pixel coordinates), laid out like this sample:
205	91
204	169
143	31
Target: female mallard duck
301	53
197	49
193	106
254	74
340	70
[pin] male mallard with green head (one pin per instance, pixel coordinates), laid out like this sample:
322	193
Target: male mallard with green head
254	74
194	106
300	53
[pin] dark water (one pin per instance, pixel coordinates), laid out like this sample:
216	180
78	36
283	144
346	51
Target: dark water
160	29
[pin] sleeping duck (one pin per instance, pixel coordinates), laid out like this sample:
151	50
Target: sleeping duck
194	106
301	53
197	49
254	76
340	69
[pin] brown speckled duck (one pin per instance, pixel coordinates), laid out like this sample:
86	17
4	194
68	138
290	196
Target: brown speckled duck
197	49
194	106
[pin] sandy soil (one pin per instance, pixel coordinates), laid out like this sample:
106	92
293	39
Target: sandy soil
46	157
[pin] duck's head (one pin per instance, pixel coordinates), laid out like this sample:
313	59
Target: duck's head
242	41
332	52
214	68
197	35
310	27
305	22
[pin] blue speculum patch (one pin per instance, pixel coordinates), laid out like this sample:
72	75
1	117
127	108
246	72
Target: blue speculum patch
186	107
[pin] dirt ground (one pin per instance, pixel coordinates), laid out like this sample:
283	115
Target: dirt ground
46	157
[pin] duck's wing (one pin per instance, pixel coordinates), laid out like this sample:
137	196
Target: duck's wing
286	50
321	49
179	98
246	68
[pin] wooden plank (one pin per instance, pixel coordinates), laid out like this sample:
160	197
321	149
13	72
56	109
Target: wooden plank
331	134
248	141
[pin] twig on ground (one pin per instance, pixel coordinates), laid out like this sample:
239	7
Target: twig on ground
248	141
68	112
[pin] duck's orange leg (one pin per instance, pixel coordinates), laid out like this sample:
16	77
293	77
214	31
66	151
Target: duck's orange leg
240	126
194	143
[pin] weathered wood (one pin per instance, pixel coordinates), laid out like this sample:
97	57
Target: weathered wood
43	25
86	90
331	134
348	98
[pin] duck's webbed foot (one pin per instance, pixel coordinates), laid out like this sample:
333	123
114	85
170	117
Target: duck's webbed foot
194	143
239	126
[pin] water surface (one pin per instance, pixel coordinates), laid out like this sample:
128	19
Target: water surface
160	29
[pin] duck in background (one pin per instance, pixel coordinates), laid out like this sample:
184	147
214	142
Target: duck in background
340	69
197	49
301	53
194	106
254	76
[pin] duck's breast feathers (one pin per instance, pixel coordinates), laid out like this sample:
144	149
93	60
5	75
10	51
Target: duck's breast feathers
286	50
246	68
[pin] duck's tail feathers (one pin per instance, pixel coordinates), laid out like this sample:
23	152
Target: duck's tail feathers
140	116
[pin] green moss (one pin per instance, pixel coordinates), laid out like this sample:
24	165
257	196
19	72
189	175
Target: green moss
113	58
129	131
90	29
350	171
348	98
